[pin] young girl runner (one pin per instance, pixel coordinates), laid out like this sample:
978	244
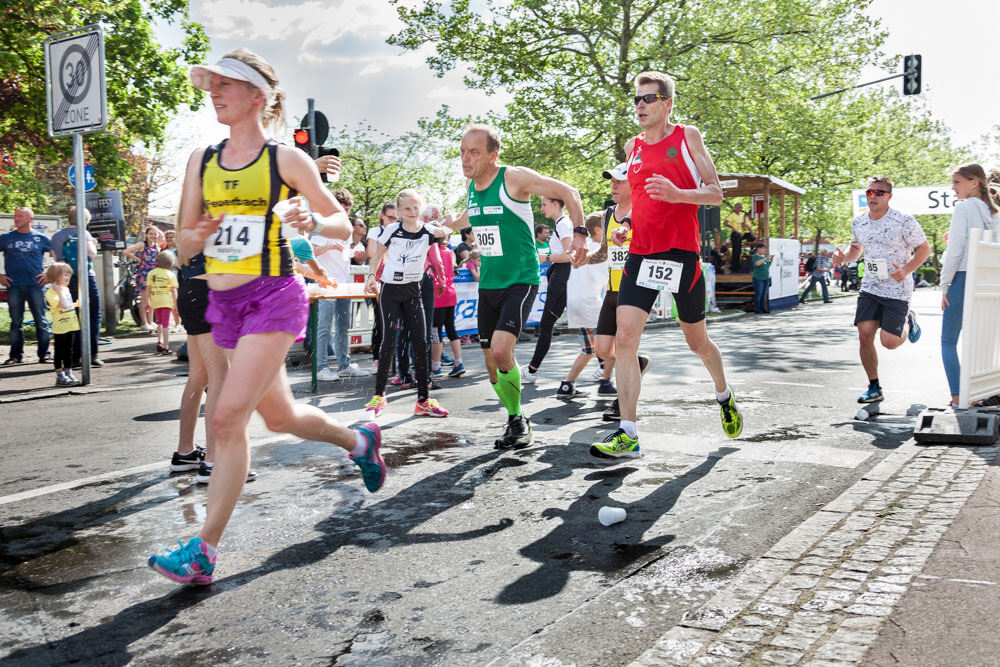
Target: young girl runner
257	305
65	325
404	246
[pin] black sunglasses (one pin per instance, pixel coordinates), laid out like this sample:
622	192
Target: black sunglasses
648	98
877	193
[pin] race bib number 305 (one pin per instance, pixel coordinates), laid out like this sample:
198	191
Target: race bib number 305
877	268
238	237
660	274
617	255
488	238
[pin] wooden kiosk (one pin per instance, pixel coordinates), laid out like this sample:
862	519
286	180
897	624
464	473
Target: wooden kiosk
737	288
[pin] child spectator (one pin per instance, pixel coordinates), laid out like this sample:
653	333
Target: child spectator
161	294
472	264
65	325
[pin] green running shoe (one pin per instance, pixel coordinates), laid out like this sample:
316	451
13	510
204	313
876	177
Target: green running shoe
732	420
618	445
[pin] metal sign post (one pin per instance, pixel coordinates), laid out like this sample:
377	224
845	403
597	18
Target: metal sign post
77	105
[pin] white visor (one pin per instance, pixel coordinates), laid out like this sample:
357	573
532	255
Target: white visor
619	173
201	75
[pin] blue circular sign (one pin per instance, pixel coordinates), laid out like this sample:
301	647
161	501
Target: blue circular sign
89	177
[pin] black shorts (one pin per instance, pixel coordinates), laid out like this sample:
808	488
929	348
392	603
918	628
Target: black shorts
607	321
690	297
504	309
889	313
192	302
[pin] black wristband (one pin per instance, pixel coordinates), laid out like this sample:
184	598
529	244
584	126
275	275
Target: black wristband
580	230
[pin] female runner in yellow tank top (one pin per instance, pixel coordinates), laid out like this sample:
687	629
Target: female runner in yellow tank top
257	305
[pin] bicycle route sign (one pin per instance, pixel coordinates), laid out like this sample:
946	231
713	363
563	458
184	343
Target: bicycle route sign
74	73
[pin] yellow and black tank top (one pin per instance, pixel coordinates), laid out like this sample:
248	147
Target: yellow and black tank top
249	240
616	254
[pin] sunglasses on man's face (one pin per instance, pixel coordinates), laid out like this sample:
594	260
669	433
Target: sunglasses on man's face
877	193
648	98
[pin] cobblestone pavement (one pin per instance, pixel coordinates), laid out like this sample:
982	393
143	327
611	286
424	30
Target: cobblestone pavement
821	594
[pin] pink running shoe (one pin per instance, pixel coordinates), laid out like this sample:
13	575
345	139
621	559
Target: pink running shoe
429	408
375	406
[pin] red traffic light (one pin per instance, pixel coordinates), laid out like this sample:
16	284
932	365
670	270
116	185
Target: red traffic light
301	137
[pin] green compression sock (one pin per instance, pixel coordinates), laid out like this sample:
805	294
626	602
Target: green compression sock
508	388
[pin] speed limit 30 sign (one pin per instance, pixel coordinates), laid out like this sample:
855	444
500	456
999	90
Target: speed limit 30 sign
74	69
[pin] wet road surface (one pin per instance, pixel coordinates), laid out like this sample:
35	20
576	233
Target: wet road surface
468	555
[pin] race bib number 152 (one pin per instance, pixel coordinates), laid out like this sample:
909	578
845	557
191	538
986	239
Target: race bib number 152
660	274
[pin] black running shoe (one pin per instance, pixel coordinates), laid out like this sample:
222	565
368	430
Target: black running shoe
612	414
517	435
190	461
204	475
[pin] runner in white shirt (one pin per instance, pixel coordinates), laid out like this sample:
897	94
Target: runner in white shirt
400	256
886	238
585	295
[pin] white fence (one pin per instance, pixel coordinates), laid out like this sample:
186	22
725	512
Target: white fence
980	356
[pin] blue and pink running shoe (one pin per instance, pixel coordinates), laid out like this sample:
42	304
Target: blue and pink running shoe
371	463
188	564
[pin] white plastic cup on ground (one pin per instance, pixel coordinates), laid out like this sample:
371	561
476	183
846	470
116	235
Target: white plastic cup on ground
610	515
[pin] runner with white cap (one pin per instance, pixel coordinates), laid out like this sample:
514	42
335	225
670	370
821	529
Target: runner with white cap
257	304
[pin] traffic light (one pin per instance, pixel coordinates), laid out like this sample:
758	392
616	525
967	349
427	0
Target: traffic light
303	140
911	74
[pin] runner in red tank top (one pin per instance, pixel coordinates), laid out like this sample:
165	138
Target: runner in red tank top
670	173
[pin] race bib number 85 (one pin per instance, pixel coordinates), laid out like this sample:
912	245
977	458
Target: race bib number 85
877	268
660	274
488	238
238	237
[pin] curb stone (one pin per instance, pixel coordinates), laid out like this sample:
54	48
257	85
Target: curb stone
823	591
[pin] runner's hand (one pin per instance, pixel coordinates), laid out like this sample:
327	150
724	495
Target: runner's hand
370	286
206	227
661	189
897	273
619	236
838	257
579	251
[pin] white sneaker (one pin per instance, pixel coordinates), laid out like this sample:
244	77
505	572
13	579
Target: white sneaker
352	371
596	376
148	327
327	375
527	377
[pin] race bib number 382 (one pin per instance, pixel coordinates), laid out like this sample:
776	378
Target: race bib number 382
488	238
617	254
660	274
238	237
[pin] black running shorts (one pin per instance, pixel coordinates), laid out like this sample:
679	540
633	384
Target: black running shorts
192	302
889	313
607	321
504	309
690	297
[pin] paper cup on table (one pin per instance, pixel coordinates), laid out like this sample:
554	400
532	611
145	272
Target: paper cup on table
610	515
280	208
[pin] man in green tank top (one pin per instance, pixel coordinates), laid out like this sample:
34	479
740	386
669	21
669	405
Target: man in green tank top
499	211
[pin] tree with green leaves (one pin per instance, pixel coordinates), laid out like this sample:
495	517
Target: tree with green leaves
376	167
744	72
146	82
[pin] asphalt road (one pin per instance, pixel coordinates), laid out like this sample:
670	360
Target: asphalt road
468	556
